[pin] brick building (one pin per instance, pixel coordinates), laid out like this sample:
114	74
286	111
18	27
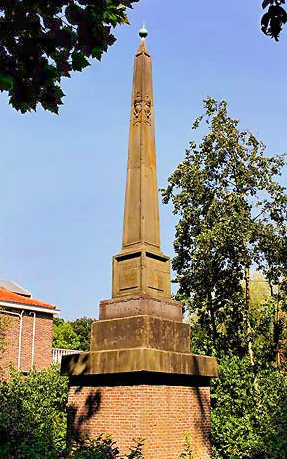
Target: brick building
28	325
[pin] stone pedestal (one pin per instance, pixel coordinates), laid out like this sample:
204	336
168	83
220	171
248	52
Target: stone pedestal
140	381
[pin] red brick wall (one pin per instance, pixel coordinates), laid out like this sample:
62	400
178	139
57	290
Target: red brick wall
161	414
43	341
44	337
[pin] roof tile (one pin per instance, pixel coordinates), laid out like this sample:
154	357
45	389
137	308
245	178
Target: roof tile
10	297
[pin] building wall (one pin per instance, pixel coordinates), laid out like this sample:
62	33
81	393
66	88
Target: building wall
43	341
161	414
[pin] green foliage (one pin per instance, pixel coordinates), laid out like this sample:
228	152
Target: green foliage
64	337
33	415
42	42
269	334
247	424
104	447
33	421
188	447
82	328
259	289
75	334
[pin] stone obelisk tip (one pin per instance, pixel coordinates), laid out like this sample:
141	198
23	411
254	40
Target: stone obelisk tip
143	33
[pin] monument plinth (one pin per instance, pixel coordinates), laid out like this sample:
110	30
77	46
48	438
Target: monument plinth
140	379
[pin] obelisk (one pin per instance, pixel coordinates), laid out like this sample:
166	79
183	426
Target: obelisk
141	268
141	220
140	380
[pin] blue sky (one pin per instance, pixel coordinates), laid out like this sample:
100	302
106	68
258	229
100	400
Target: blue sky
62	178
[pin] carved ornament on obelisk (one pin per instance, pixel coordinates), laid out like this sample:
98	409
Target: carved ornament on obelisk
141	268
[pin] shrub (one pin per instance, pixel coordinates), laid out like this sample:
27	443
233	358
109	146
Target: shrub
105	448
33	421
246	424
33	418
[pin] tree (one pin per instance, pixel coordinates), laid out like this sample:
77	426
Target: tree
64	336
82	328
74	334
43	41
232	217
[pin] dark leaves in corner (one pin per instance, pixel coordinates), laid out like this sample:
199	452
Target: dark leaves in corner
273	20
42	42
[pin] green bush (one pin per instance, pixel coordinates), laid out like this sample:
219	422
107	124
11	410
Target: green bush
247	424
33	417
33	421
105	448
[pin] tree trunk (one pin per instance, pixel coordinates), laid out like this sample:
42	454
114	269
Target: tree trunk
277	330
212	317
249	327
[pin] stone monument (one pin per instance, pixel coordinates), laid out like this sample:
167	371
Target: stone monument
140	380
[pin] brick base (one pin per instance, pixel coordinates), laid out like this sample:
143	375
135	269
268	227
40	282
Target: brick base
159	413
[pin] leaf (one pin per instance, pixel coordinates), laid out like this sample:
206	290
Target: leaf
97	52
73	14
51	107
111	18
6	82
79	61
265	22
283	15
265	3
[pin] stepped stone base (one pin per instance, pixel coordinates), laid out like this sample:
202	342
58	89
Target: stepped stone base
140	381
138	360
142	304
140	331
158	409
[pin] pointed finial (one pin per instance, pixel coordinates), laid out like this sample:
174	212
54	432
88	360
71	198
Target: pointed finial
143	33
